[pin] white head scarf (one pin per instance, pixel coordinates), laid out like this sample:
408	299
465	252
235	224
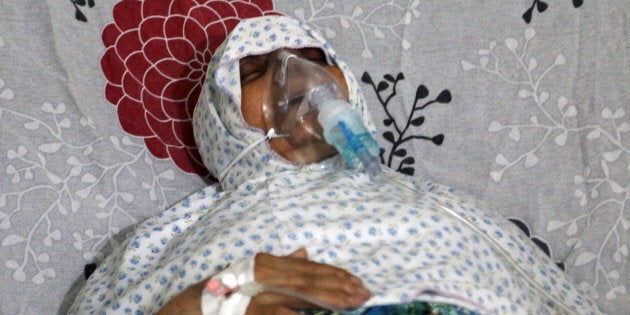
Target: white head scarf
220	131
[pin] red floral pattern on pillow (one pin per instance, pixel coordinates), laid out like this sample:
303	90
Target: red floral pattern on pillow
157	53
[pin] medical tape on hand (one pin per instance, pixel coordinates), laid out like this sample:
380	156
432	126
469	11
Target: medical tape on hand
223	293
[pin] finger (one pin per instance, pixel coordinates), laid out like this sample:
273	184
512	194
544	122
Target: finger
333	301
273	310
271	300
336	281
324	270
281	310
289	264
330	299
305	272
311	280
300	253
321	290
326	298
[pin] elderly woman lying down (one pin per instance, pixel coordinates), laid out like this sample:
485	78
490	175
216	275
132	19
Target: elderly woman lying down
292	228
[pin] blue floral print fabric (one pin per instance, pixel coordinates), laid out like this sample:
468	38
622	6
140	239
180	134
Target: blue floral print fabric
402	244
396	235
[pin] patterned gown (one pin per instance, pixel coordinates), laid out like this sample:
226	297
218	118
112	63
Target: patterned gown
414	244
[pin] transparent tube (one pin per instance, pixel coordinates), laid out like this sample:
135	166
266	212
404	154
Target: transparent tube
502	252
311	108
344	129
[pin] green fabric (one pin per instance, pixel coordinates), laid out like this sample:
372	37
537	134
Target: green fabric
413	308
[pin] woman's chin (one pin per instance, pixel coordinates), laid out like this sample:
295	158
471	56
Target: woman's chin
304	152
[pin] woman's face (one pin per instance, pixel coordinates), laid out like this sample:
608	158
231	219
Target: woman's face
256	84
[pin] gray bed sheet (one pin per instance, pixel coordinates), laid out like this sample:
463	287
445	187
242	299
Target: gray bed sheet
523	104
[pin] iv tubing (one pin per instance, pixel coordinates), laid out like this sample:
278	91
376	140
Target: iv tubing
270	134
510	260
504	254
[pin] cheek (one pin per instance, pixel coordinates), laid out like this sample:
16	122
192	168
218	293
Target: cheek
338	75
252	104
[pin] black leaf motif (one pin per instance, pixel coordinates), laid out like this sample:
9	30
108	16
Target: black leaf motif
88	270
382	86
418	121
444	97
400	152
561	265
527	16
422	92
407	171
366	78
397	135
541	244
541	7
521	225
389	136
79	15
77	12
389	78
438	140
408	160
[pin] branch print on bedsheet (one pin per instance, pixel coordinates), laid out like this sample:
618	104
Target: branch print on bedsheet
602	188
362	20
399	135
523	226
66	186
155	63
78	14
541	7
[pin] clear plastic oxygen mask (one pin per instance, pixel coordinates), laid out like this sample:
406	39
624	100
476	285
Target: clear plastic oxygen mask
310	109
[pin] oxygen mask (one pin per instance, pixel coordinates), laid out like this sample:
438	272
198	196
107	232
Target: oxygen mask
309	108
292	112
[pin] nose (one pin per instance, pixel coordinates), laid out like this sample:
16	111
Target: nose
279	63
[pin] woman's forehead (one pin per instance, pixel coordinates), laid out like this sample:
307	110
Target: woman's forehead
308	52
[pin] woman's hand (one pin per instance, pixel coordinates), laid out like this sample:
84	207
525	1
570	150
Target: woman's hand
187	302
328	284
331	285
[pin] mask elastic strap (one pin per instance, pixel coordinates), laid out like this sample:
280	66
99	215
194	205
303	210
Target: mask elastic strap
270	134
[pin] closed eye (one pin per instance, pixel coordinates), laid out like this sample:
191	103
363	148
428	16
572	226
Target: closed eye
313	54
249	76
251	68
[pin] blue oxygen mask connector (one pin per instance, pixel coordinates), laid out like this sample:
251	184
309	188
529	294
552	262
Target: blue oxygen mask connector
344	129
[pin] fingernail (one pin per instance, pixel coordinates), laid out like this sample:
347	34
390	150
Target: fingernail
365	291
